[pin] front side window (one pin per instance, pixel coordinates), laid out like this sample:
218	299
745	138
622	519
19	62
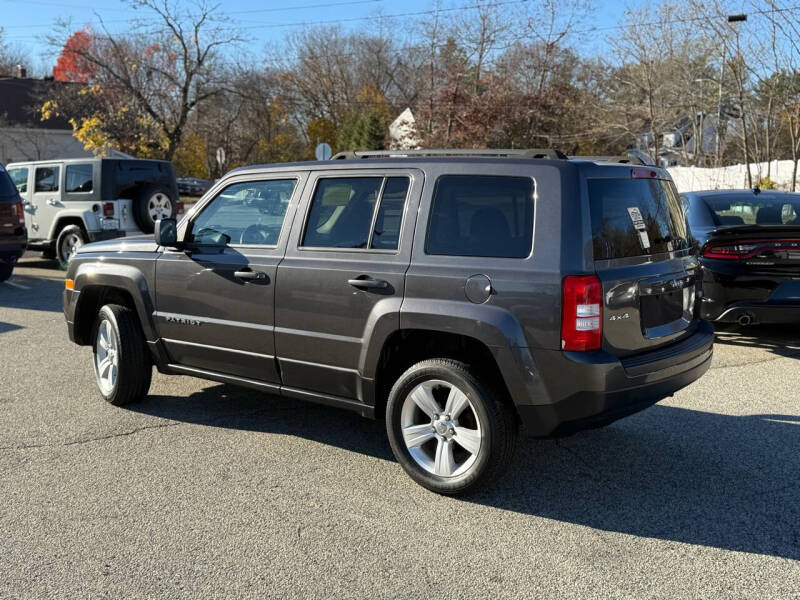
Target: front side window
343	209
79	179
247	214
481	216
19	175
47	179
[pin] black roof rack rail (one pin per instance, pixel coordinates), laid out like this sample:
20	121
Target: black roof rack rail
550	153
632	157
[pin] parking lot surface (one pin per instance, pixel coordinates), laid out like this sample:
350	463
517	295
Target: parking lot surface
207	490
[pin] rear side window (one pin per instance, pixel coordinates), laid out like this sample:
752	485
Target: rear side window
635	217
344	210
481	216
7	187
751	209
47	179
79	179
19	176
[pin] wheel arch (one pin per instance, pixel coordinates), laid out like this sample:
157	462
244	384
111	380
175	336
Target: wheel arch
100	284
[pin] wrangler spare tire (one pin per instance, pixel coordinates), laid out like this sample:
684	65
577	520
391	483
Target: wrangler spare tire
151	203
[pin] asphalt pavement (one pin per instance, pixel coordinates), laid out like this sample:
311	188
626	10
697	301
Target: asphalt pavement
207	490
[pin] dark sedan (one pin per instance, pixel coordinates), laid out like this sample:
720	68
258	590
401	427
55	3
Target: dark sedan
749	243
13	234
193	186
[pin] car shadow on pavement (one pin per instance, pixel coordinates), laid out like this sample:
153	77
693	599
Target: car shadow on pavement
32	293
783	340
730	482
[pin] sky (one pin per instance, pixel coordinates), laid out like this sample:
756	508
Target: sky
27	22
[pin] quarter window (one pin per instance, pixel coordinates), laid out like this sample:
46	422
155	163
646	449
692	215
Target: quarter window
343	211
246	214
47	179
79	179
488	216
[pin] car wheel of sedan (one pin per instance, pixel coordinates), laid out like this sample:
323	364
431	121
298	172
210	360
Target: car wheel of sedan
450	431
122	363
5	270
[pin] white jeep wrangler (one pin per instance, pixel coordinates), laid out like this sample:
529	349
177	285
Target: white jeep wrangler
69	203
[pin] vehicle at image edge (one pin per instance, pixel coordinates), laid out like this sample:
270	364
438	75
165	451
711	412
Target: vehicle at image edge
69	203
458	295
13	235
749	243
193	186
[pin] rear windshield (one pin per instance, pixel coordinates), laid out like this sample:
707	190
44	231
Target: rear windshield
7	187
754	210
635	217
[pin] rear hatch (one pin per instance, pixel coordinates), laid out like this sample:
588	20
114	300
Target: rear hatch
643	259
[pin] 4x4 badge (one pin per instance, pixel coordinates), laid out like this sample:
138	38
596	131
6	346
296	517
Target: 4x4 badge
619	317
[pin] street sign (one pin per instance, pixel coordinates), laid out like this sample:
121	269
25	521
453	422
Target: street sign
220	156
323	151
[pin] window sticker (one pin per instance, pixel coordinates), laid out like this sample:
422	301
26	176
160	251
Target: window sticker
641	228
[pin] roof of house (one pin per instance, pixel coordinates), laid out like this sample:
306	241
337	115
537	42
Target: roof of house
21	100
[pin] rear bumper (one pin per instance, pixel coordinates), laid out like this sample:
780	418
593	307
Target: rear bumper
595	388
12	247
731	292
105	234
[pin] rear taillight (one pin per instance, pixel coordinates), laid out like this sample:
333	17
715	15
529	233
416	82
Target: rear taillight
108	209
581	313
19	209
749	248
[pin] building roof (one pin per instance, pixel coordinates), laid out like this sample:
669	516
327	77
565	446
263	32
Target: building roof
21	100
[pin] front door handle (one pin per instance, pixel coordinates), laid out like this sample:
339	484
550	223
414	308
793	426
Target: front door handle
368	283
250	274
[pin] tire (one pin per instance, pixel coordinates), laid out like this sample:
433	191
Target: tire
435	458
153	202
68	241
119	327
5	270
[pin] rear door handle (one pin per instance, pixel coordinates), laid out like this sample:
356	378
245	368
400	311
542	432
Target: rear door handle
368	283
52	202
250	274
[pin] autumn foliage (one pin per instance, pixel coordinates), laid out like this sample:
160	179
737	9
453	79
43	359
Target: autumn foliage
72	64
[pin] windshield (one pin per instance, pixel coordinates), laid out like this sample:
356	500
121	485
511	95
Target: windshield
7	187
754	210
635	217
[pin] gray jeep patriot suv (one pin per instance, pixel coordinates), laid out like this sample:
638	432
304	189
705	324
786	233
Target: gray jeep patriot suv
458	295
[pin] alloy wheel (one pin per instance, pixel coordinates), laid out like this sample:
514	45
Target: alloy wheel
106	358
440	428
159	206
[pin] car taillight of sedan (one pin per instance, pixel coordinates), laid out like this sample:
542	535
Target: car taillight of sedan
751	248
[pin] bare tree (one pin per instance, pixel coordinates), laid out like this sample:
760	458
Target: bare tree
167	65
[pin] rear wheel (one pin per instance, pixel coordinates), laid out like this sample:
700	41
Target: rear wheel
5	270
449	430
122	365
68	241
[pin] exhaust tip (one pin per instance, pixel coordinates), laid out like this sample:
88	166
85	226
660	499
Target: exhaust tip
745	319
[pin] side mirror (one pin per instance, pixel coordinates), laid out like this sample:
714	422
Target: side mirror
166	232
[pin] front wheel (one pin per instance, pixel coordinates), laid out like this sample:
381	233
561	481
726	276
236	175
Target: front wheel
122	366
450	431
